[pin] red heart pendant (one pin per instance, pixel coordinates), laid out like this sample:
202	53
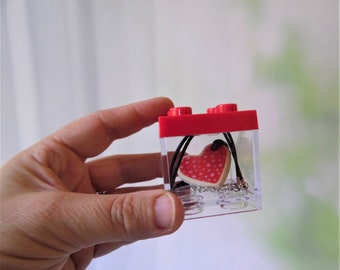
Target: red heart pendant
210	168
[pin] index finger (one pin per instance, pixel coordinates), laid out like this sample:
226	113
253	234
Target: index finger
92	134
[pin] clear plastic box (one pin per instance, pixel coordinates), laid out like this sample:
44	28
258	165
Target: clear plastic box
211	160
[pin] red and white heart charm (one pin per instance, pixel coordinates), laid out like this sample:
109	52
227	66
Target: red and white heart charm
209	168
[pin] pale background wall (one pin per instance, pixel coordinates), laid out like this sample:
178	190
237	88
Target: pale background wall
62	59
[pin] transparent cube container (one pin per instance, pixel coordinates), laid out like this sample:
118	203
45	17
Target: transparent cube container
211	160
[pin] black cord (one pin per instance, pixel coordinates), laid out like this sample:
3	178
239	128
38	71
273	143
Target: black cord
175	165
232	147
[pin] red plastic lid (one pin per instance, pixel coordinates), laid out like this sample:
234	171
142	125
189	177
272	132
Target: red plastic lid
176	111
222	118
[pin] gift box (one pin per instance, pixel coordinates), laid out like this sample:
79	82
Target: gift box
211	160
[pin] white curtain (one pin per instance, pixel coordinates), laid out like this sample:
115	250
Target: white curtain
62	59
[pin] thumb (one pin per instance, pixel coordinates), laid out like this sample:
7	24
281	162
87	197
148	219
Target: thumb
92	219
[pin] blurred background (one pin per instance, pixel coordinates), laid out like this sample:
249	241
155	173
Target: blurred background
62	59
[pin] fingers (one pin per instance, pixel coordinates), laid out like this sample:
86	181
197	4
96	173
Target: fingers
92	134
118	218
103	249
70	222
111	172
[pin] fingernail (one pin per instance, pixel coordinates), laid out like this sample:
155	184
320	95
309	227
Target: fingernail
164	211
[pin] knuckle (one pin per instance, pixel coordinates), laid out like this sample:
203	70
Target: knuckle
126	218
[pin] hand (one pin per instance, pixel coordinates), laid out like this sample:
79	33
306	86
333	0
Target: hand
51	216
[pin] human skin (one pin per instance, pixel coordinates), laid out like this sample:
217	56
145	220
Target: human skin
51	214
